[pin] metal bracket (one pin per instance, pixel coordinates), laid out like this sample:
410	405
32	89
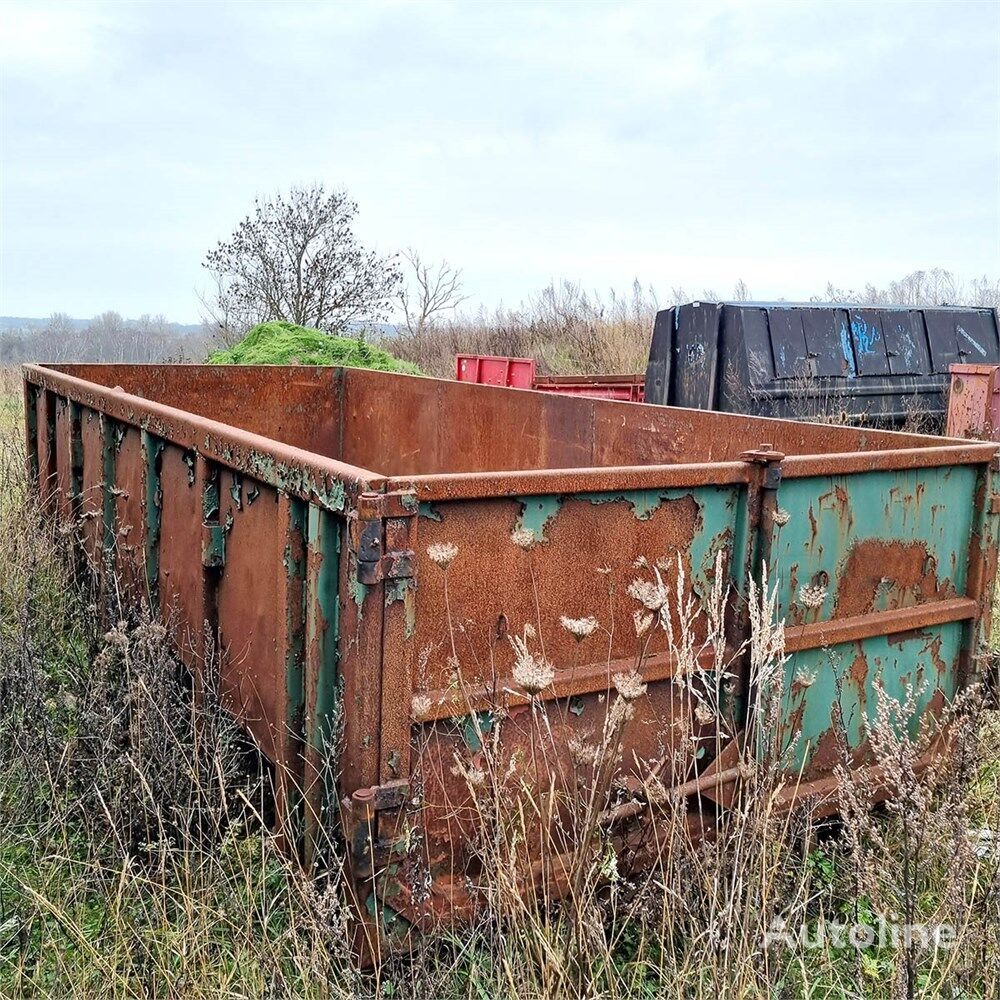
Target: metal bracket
381	529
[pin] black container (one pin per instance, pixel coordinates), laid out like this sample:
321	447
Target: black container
801	360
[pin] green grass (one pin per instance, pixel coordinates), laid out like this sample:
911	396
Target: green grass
278	343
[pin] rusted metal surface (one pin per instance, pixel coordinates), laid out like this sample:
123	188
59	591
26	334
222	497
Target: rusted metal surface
374	678
974	402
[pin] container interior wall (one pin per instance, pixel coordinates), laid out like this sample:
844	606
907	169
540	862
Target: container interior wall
402	426
297	405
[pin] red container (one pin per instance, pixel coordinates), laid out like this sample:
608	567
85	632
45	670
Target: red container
974	402
627	387
520	373
514	373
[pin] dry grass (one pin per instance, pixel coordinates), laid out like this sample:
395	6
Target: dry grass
565	329
135	857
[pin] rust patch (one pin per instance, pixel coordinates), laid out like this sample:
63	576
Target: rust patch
897	574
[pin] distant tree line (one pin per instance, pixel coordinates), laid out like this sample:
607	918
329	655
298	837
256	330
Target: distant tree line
296	258
106	338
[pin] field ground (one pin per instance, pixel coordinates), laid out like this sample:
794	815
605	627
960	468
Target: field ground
133	862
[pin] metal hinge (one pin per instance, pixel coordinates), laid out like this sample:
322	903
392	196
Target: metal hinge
381	535
766	456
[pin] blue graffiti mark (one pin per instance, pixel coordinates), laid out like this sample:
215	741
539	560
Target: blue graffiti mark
845	346
977	346
865	336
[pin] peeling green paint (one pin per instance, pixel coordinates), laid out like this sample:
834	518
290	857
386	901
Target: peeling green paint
898	663
429	511
236	490
403	590
330	493
322	599
359	591
475	728
536	514
645	503
831	514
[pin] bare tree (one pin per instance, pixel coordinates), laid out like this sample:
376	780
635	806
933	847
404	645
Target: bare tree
741	293
296	258
429	292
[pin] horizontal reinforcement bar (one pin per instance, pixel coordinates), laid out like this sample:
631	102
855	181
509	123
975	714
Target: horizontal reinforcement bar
840	630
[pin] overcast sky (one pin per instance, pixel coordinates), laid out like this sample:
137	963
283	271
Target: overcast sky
688	144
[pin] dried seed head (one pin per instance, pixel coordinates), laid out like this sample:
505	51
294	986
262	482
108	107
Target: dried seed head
533	673
656	792
583	754
421	706
640	562
651	594
620	712
642	622
579	628
630	686
804	678
443	553
812	595
781	517
704	714
522	538
529	631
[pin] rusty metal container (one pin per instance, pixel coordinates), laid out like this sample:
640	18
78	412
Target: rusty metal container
974	402
782	359
520	373
301	517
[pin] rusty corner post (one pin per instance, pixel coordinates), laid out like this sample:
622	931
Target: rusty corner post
383	539
974	659
762	502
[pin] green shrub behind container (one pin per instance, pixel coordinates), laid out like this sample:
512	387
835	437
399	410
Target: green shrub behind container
281	343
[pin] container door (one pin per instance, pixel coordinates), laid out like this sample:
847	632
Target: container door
830	357
696	355
872	570
788	343
960	337
905	342
868	341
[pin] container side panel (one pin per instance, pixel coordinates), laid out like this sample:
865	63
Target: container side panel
696	356
129	515
250	595
873	541
180	559
831	695
531	560
906	342
64	461
92	501
869	342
